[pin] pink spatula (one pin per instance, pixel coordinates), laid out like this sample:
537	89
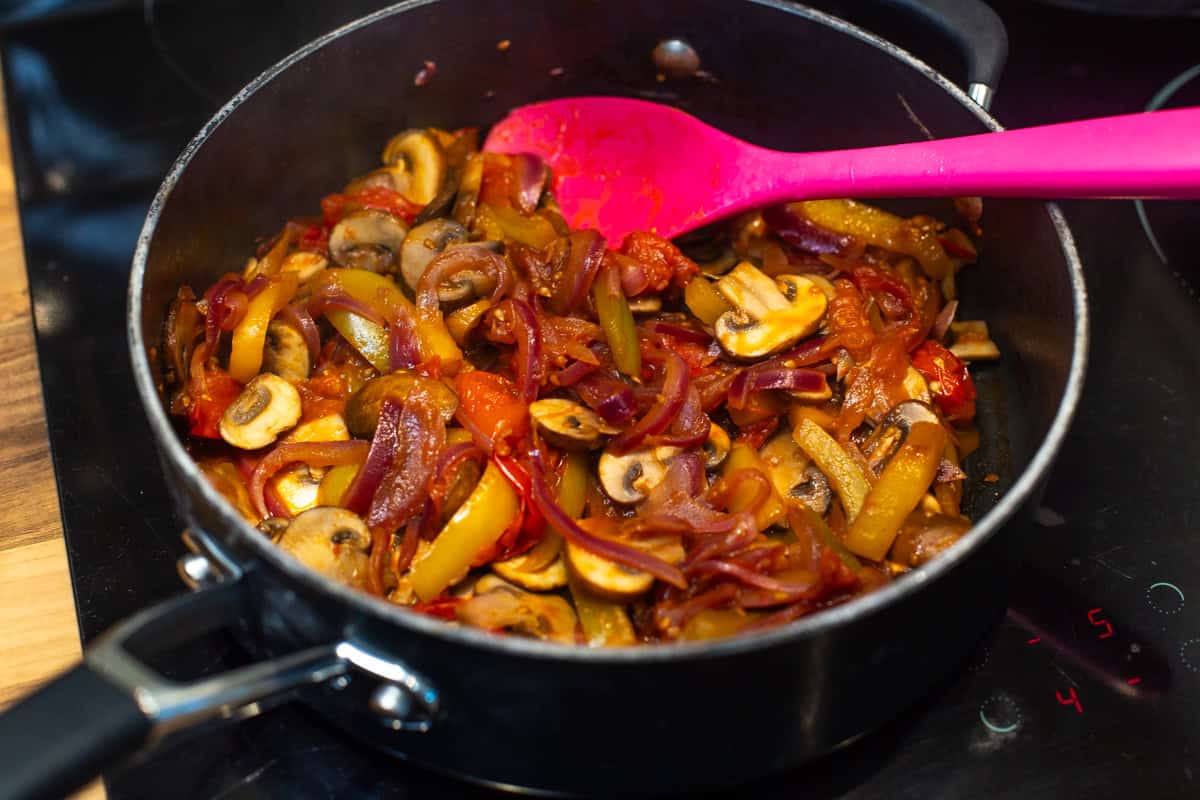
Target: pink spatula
622	165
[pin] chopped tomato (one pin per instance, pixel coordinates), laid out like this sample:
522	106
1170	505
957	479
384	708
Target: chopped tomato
336	206
652	263
491	405
311	235
949	382
211	395
848	319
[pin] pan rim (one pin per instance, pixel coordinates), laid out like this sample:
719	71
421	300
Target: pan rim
362	603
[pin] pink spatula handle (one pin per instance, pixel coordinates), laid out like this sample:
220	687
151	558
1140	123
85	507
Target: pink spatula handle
1153	155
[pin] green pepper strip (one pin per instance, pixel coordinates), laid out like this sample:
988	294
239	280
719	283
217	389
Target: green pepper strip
616	320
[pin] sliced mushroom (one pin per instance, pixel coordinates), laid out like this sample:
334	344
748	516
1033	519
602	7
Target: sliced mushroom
362	409
824	283
794	476
501	606
332	541
297	487
604	578
885	440
717	446
629	478
419	165
645	304
368	239
423	243
569	425
181	328
925	536
267	407
305	264
273	528
329	428
768	315
552	576
286	352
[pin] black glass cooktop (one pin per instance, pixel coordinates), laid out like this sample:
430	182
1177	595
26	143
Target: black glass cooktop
101	97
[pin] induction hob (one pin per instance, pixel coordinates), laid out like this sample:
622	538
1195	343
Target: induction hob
102	95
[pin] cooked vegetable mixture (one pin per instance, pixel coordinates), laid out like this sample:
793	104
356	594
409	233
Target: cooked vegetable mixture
438	393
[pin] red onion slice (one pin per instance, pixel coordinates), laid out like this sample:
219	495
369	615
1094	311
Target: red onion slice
660	416
462	258
753	380
608	396
575	282
804	234
298	317
379	458
683	333
531	180
322	301
528	333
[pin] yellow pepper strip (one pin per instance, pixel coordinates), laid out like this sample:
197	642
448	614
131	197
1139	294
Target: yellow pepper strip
704	301
844	475
478	523
370	340
897	492
382	294
245	358
741	457
335	483
801	411
604	623
877	227
616	320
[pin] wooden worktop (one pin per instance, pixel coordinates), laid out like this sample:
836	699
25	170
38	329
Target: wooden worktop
39	634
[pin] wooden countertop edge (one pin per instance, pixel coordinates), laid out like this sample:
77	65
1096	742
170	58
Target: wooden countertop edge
39	632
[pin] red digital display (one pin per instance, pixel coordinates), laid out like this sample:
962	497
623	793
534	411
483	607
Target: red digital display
1094	619
1070	700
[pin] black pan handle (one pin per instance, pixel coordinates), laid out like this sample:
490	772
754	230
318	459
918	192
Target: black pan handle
62	736
976	30
59	738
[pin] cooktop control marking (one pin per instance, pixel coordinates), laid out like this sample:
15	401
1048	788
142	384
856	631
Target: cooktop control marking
1189	654
1165	598
1000	714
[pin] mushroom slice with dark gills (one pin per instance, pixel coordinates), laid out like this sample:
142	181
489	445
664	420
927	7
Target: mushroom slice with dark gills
717	446
286	353
498	605
567	424
628	478
417	165
793	474
768	314
429	240
885	440
333	541
267	406
368	239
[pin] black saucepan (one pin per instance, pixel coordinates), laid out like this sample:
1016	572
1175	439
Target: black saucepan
514	712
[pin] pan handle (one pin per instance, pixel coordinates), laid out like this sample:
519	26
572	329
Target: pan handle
63	735
976	30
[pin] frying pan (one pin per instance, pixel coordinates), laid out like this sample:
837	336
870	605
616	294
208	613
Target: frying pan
514	712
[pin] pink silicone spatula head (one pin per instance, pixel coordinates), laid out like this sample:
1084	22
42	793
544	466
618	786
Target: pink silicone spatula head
622	165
